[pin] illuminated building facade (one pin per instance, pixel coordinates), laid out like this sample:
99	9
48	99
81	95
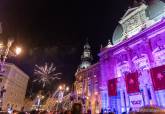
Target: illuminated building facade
87	83
137	53
87	88
132	70
14	81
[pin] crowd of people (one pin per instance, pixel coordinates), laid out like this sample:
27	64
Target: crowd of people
57	112
76	109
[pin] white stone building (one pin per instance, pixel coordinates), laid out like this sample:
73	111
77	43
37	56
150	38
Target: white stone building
14	81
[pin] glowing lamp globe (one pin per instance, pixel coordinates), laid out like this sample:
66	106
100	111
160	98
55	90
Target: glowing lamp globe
18	50
67	88
60	87
43	97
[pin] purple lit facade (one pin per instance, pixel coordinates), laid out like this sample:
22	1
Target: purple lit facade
140	52
138	45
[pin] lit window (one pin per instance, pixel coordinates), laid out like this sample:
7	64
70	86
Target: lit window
159	57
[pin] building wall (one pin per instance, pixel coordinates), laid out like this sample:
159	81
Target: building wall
87	88
15	83
140	52
139	45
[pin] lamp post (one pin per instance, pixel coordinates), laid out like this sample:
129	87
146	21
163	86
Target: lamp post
5	51
60	92
39	99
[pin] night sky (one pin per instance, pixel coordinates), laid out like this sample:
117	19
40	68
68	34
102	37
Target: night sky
56	30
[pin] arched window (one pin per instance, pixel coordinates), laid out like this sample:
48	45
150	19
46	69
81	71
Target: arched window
122	68
159	56
142	62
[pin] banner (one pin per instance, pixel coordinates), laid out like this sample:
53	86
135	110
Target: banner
158	77
132	83
136	101
112	87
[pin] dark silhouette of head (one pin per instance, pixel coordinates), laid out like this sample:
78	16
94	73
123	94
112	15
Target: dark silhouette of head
77	108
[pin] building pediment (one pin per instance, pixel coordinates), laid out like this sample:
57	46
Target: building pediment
129	11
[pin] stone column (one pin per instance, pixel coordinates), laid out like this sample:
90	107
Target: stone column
127	100
162	99
145	95
148	48
131	65
122	101
153	97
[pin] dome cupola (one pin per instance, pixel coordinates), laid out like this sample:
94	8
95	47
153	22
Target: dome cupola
140	16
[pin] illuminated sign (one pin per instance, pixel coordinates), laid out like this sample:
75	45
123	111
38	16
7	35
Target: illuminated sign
136	101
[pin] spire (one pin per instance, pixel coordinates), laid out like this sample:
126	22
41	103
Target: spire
86	56
109	44
87	46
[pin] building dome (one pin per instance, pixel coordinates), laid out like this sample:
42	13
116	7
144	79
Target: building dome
117	35
87	46
155	11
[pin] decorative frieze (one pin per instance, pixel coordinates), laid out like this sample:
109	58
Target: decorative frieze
134	21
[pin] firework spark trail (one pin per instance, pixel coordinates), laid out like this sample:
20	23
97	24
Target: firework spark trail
45	74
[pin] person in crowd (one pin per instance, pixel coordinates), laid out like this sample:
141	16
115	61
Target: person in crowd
89	111
15	112
124	113
67	112
130	110
43	112
21	112
102	111
33	112
114	110
77	108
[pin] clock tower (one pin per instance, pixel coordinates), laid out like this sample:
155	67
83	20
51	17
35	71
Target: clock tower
86	57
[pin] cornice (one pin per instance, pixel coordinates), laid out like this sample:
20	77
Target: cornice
145	33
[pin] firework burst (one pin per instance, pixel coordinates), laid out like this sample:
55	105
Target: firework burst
45	74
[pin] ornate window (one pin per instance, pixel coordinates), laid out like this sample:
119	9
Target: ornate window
86	54
134	20
159	56
89	87
122	68
141	62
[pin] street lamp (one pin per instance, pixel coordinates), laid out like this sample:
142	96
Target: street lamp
67	88
62	90
39	99
60	87
60	94
18	50
5	51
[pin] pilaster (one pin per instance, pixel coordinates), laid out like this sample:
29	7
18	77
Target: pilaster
128	50
145	95
153	97
123	106
148	47
126	100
